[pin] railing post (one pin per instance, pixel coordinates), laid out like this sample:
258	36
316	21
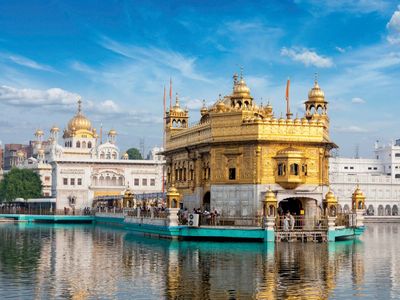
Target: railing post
269	225
172	217
331	229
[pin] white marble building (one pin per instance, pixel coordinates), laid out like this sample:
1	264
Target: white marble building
82	169
378	178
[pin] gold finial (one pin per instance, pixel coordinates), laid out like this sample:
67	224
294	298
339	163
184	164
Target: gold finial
316	78
219	97
204	102
177	100
79	105
235	79
241	73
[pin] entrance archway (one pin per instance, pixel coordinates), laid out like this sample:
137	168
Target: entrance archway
292	205
206	201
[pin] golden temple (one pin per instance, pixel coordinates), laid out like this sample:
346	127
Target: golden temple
238	150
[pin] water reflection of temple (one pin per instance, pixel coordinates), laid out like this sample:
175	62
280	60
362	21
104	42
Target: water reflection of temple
83	262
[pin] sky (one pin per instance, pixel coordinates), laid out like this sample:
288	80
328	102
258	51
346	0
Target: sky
119	55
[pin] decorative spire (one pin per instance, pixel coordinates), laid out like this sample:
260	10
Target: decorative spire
316	79
241	73
235	79
177	100
79	105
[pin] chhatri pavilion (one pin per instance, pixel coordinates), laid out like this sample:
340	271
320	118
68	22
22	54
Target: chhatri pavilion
239	151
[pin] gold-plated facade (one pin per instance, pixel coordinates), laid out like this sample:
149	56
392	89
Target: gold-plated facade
238	144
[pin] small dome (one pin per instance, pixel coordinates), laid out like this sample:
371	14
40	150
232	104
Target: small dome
40	151
297	121
54	129
125	156
39	132
20	153
241	88
112	132
330	195
316	94
358	192
282	121
220	106
304	121
270	195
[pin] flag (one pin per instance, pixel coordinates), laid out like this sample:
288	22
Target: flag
287	89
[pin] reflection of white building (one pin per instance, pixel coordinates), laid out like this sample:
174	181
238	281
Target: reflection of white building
83	168
378	177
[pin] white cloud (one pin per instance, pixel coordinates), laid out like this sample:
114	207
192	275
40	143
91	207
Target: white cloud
357	100
154	57
33	97
307	57
341	50
350	129
26	62
319	7
394	27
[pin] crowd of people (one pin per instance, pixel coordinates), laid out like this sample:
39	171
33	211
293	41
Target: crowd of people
207	217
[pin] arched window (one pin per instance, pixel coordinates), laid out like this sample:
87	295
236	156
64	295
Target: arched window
102	156
388	210
370	210
294	169
78	144
281	169
89	145
83	144
380	210
395	210
114	155
346	208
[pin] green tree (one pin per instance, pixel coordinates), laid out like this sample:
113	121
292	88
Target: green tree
20	183
134	153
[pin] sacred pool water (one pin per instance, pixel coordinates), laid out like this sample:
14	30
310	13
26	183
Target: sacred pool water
46	261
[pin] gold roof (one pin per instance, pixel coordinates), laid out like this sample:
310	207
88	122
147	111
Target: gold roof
79	121
358	192
112	132
316	94
39	132
240	88
54	129
330	197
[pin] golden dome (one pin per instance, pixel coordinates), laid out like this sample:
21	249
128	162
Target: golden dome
40	151
270	196
316	94
330	197
39	132
220	106
177	107
241	88
20	153
79	121
358	192
54	129
112	132
125	156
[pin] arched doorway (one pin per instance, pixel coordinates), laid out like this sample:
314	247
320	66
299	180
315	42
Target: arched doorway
292	205
388	210
380	210
370	210
395	210
206	201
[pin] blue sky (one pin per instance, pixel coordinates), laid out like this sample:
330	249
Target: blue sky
118	55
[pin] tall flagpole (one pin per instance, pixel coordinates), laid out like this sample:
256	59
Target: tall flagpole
164	120
288	113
